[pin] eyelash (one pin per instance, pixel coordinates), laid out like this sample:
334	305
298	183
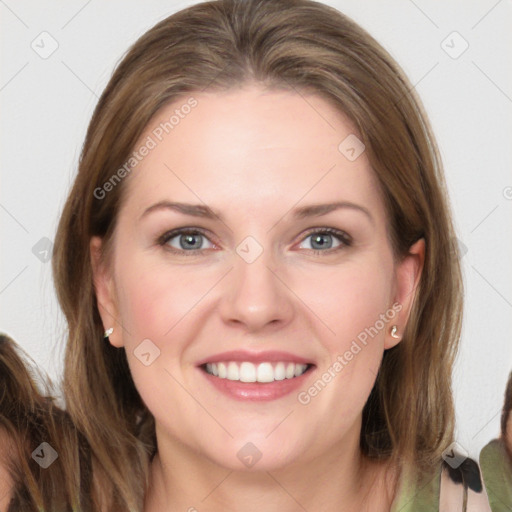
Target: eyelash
343	237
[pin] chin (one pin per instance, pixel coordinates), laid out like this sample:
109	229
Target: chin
253	453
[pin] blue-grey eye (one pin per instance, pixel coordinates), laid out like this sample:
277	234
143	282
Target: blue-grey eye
323	240
186	240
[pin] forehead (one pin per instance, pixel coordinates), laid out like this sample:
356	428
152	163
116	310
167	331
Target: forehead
249	147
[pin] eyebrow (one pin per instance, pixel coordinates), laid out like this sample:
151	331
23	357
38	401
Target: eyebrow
200	210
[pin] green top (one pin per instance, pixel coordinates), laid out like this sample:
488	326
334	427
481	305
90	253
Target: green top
418	497
496	469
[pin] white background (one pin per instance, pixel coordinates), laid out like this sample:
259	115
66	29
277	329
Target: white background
46	105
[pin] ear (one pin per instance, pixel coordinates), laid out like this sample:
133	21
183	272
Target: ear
105	292
407	277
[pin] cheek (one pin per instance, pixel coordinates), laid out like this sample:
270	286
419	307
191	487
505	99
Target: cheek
353	303
350	301
366	300
153	298
156	304
160	303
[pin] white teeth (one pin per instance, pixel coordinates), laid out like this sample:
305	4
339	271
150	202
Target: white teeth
279	372
265	373
249	372
233	372
298	370
222	370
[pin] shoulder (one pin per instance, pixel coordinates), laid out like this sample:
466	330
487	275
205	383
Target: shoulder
462	486
448	487
418	494
493	454
497	474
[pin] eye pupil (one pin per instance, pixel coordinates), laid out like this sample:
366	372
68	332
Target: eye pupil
191	241
317	239
189	238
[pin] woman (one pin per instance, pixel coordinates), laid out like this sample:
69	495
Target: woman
496	460
253	370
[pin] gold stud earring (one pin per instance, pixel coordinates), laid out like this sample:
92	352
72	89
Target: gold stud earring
394	330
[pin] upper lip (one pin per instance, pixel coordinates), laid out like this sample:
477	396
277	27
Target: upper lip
255	357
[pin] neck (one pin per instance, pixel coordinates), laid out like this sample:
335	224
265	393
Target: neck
342	480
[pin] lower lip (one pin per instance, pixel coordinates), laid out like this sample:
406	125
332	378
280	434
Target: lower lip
257	391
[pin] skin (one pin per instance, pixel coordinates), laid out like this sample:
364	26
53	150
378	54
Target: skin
237	152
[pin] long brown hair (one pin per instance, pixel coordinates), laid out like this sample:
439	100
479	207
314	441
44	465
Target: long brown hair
505	415
301	46
31	424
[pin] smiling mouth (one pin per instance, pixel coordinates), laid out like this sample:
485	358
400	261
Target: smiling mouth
264	372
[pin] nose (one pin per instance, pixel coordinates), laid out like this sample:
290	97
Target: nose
256	295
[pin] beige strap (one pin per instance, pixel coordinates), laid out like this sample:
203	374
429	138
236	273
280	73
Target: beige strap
453	497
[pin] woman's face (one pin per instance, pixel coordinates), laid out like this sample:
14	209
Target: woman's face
259	290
